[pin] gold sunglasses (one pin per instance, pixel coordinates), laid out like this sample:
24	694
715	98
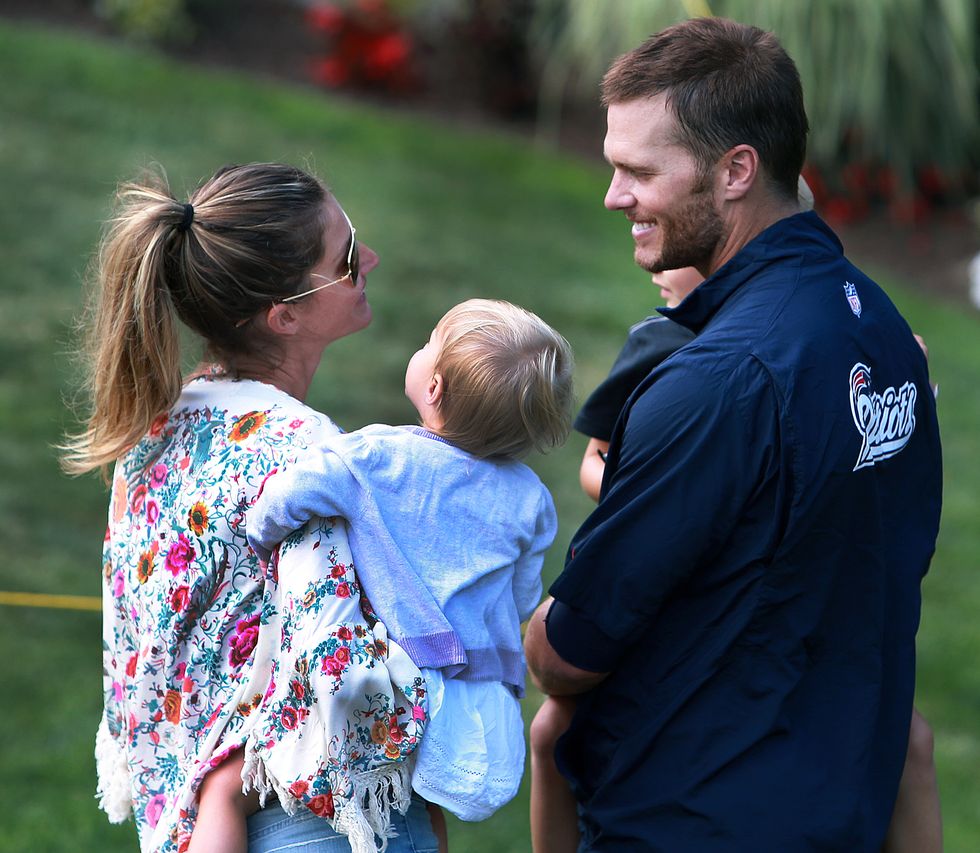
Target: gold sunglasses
353	266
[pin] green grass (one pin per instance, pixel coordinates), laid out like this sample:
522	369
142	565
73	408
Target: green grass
452	214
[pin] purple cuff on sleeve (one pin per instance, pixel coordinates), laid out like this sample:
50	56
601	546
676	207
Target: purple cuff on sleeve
578	641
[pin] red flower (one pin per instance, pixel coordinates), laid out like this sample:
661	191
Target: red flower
325	18
342	655
299	691
131	666
298	788
322	805
840	211
338	571
137	498
343	633
330	71
157	426
179	599
386	56
289	717
343	590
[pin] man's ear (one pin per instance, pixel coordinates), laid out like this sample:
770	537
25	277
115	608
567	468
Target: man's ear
433	391
282	319
741	165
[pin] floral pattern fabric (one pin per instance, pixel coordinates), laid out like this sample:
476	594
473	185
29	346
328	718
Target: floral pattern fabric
345	707
193	624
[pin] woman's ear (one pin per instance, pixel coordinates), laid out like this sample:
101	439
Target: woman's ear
433	391
282	319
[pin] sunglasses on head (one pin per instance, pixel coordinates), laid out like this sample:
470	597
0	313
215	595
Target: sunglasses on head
353	266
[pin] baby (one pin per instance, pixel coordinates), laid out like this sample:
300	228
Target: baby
448	532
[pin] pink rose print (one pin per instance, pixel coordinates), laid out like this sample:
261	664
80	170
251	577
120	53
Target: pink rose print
332	666
152	512
118	584
154	809
342	655
180	555
296	423
242	644
418	713
158	475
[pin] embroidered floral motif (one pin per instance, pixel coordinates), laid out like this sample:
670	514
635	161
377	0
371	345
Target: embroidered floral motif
246	425
186	602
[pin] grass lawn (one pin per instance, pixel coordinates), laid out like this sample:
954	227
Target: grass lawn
453	214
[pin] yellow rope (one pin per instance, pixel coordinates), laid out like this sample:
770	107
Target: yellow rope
56	602
697	8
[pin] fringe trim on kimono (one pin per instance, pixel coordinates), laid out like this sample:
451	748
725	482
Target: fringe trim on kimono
114	792
363	818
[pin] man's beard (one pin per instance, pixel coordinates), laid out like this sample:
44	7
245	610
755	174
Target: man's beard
690	236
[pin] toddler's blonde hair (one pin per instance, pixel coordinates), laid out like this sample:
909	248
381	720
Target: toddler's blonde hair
507	380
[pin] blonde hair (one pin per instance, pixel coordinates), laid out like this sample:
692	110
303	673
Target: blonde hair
507	380
249	237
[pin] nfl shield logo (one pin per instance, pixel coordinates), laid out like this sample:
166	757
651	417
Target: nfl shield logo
850	291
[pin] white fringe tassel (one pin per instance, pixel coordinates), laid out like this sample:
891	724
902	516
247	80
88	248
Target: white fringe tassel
364	818
114	792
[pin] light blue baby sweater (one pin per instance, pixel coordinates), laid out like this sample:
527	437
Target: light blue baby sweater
448	547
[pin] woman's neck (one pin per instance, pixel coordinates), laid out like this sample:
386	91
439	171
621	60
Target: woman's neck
295	383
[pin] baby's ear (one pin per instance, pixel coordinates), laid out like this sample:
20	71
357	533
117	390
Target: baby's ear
433	391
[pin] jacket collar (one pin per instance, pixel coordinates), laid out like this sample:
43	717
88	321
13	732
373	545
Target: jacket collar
787	237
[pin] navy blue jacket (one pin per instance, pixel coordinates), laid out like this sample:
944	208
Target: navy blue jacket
750	577
649	342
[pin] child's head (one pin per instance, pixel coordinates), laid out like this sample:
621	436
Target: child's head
494	379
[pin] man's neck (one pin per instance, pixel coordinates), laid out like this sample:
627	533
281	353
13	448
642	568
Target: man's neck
748	221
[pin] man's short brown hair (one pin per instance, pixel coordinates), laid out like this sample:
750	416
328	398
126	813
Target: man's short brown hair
726	84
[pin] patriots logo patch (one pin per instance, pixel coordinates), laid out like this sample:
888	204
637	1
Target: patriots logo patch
885	421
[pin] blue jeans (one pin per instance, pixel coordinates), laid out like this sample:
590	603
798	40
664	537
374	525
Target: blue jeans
271	830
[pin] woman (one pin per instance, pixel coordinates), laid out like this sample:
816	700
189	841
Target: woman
263	265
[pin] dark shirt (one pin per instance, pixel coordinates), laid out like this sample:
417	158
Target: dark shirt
750	578
649	342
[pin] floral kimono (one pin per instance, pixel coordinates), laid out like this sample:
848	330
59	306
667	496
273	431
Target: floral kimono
203	653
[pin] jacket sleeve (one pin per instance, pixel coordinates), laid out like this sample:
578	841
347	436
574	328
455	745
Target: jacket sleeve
697	452
318	484
114	791
527	569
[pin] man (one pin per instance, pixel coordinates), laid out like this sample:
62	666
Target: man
738	614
